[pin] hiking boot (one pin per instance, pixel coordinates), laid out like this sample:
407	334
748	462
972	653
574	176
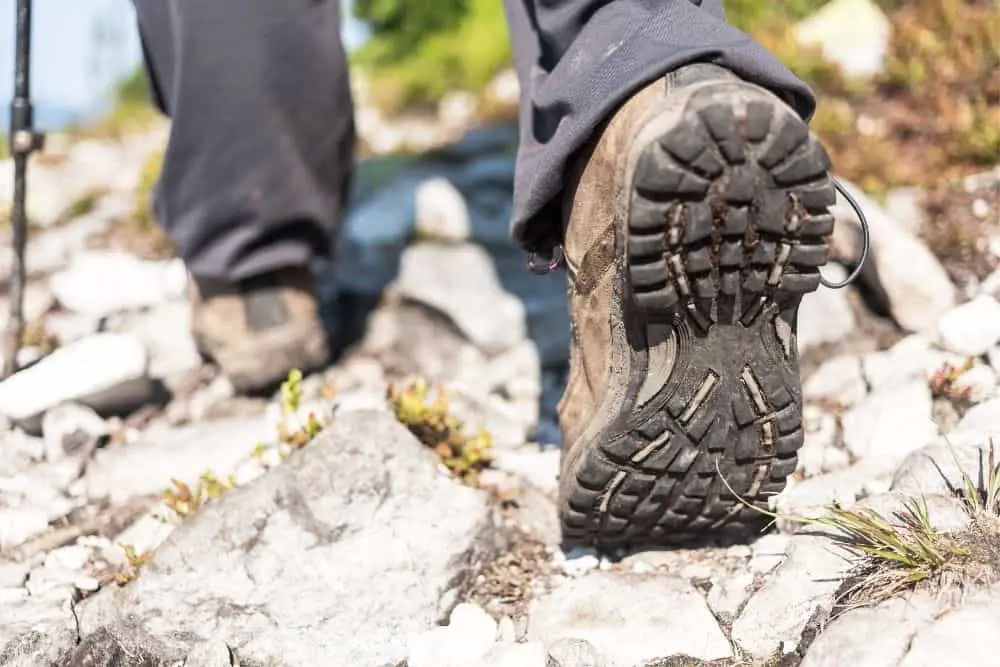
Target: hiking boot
698	220
259	330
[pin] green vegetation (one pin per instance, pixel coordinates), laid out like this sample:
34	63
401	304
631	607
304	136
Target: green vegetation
300	433
895	554
421	50
133	563
185	501
83	205
751	15
427	415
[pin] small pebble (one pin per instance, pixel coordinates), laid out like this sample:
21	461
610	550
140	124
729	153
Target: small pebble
575	653
578	562
87	584
68	558
980	208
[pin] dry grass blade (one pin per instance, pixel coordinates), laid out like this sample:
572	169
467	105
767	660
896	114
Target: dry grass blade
980	496
892	553
909	541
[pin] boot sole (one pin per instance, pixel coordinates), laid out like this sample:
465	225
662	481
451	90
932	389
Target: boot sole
727	226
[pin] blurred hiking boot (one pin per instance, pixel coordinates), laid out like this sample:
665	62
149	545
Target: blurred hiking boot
260	329
697	221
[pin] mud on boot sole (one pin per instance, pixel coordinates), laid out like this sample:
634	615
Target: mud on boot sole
727	230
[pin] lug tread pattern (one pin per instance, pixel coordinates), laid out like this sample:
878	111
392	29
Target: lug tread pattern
728	226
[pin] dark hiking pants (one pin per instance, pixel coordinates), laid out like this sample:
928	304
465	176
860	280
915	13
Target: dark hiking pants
262	118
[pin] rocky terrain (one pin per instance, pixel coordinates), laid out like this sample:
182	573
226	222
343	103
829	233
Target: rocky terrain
149	516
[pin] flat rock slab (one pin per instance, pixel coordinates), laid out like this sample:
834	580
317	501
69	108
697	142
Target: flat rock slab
333	558
147	466
889	425
803	584
887	631
963	636
630	618
920	630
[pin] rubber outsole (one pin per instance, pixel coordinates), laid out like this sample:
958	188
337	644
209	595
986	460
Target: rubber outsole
727	230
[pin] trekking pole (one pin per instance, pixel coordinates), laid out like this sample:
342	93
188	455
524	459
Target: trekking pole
23	141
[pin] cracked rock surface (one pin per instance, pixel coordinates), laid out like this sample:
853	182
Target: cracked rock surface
337	556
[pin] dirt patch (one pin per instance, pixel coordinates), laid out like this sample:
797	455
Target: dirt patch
506	585
791	660
963	226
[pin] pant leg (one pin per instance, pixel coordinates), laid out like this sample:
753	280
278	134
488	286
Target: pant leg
261	143
579	60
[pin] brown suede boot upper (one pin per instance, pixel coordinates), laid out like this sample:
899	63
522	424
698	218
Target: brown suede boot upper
696	220
261	329
594	222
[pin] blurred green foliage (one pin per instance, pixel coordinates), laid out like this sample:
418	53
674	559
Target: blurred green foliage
421	50
133	89
131	108
749	15
401	26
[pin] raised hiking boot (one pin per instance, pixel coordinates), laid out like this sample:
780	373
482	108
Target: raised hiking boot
698	220
259	330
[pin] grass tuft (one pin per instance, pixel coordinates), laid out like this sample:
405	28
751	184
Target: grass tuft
895	554
83	205
981	497
426	415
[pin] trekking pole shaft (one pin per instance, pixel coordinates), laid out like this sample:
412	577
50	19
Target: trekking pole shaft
23	141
